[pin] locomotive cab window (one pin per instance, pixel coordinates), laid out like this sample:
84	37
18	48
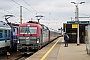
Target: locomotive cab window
28	30
45	28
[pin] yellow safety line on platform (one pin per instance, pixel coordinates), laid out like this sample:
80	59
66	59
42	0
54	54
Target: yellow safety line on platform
49	51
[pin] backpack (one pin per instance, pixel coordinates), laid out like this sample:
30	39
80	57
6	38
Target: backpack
67	37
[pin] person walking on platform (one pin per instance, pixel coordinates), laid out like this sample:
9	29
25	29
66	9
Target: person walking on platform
66	37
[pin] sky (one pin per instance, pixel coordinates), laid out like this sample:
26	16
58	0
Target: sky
55	12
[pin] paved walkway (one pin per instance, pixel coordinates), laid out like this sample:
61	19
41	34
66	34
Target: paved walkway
73	52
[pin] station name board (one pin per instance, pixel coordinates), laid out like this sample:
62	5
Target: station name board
78	22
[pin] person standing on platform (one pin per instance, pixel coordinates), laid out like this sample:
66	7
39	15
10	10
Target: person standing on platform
66	37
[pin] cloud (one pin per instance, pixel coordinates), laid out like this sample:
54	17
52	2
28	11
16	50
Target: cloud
55	11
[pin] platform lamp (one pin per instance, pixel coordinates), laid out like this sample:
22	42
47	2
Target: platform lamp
77	19
39	17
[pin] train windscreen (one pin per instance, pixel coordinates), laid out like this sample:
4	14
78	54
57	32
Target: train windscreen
28	30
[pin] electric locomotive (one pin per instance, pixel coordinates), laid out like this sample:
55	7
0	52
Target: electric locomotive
32	36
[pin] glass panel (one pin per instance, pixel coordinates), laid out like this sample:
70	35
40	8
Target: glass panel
22	29
5	33
8	33
28	30
32	30
0	33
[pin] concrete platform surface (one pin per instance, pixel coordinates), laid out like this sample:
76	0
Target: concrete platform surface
73	52
59	52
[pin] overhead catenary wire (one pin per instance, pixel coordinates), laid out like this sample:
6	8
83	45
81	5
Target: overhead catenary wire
6	11
28	10
30	6
9	12
34	13
24	7
16	2
5	14
84	14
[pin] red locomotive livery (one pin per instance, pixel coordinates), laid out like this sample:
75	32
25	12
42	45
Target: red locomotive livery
32	36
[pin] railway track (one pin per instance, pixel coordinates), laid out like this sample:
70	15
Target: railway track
21	58
18	55
15	56
24	56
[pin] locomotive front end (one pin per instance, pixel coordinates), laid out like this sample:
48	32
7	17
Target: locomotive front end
28	37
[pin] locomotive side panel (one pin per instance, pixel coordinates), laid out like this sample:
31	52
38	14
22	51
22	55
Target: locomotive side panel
45	36
53	34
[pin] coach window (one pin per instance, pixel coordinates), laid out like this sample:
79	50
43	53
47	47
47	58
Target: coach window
8	34
5	33
0	33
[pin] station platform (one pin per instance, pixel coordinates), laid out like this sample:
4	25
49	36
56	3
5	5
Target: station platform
57	51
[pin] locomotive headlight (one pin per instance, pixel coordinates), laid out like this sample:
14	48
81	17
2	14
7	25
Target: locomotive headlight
37	40
18	41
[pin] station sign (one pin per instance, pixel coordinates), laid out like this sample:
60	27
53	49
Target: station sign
74	25
78	22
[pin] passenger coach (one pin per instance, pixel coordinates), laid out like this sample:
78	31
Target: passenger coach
4	37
